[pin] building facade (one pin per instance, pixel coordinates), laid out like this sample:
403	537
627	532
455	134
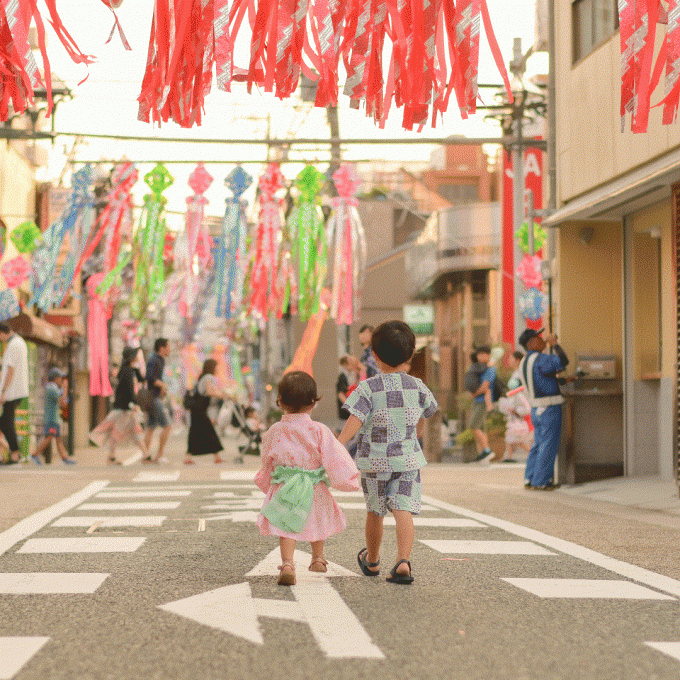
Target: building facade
616	225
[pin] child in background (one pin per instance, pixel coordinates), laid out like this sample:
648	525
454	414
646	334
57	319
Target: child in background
301	458
516	409
54	400
389	411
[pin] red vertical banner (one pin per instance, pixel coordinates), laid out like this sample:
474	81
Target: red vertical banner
508	255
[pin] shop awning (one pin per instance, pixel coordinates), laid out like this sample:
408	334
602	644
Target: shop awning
38	330
634	190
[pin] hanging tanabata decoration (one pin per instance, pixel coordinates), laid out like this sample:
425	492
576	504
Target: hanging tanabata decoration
307	228
533	304
265	245
149	242
47	288
25	237
197	253
98	315
345	235
20	76
529	271
15	271
230	255
434	52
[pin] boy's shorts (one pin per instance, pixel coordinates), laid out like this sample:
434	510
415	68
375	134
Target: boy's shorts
385	491
52	430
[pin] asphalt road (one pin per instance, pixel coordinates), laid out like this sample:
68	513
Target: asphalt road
97	581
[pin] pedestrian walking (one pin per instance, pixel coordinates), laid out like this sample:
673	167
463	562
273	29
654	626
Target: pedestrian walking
55	400
202	437
539	376
13	386
123	424
479	381
367	358
516	409
157	414
389	411
301	459
348	379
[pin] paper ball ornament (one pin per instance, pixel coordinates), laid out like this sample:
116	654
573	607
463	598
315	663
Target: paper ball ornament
25	237
522	235
533	304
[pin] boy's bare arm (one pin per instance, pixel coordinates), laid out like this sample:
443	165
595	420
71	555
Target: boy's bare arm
420	427
482	389
352	426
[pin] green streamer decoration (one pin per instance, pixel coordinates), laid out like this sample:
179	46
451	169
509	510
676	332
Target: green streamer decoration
149	243
522	235
308	231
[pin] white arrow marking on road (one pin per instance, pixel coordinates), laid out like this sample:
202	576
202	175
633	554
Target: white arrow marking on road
156	477
235	516
131	521
141	494
81	545
15	652
234	610
669	648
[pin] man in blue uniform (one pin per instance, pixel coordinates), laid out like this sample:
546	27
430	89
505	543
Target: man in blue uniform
539	376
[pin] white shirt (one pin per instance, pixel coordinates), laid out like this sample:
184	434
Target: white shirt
16	356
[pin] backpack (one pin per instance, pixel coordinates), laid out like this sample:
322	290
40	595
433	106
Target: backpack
471	381
189	399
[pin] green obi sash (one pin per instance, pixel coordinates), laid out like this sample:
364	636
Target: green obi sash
291	504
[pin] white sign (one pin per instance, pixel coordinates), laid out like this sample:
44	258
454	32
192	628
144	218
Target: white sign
234	610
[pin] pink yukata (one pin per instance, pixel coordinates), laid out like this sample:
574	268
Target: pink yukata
299	441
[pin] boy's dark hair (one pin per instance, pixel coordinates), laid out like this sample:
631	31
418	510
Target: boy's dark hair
249	411
4	328
393	342
518	355
297	391
484	349
366	327
160	342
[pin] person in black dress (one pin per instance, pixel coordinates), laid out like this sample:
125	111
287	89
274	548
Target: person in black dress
123	424
202	436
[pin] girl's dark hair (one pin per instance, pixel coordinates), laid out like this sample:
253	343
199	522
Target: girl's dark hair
297	391
129	353
393	342
209	366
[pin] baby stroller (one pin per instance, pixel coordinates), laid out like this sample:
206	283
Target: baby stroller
253	438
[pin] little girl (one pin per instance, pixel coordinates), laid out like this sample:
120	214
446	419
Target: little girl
301	458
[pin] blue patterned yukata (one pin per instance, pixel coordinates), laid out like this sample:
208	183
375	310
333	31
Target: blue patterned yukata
389	455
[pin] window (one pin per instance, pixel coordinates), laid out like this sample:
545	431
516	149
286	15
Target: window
593	21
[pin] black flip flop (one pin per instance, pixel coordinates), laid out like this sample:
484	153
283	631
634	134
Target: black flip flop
364	564
403	579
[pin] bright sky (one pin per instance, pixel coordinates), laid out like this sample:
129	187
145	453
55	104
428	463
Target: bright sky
107	103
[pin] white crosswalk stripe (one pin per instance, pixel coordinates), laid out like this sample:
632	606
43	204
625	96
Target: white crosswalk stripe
81	545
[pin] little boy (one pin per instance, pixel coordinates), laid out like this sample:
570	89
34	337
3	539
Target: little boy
388	411
54	399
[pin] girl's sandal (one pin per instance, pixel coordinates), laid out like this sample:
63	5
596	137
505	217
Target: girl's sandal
189	461
287	574
319	564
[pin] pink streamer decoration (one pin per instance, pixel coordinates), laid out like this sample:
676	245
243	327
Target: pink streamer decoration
346	234
97	335
15	271
264	294
529	271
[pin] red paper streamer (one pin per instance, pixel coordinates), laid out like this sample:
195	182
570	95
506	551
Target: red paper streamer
434	51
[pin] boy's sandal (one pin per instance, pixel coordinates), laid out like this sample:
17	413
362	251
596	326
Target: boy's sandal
148	459
395	577
112	460
319	564
287	574
364	564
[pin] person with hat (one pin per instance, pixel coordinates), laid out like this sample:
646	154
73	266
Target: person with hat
538	373
55	398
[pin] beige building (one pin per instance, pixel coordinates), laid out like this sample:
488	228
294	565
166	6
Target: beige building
616	263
